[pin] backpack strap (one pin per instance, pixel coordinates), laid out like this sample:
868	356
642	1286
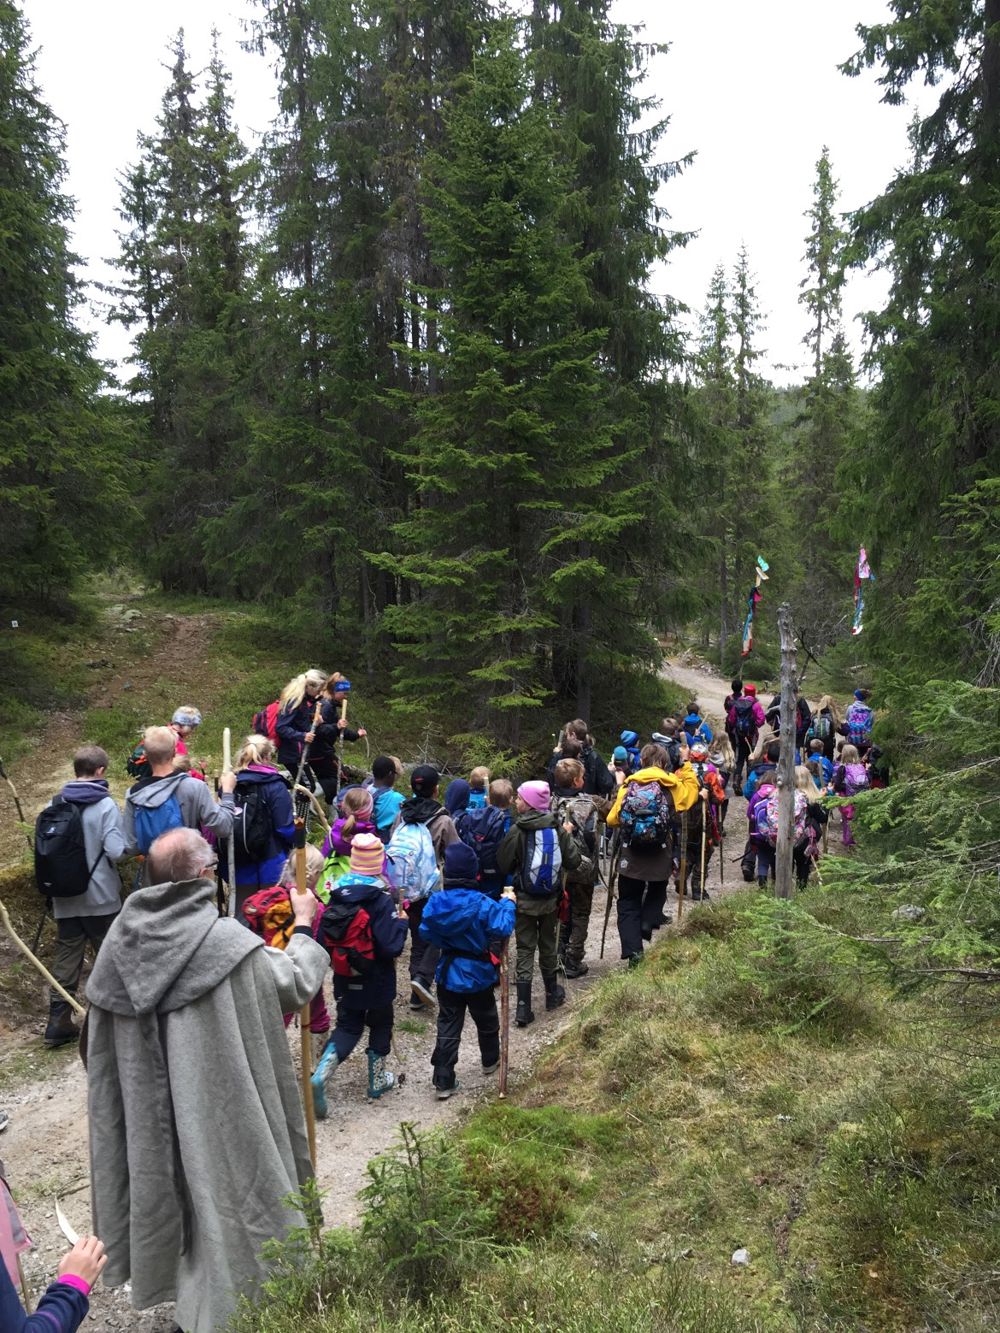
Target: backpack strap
101	854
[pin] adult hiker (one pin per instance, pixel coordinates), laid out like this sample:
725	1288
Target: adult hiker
265	819
364	934
744	719
826	725
536	851
167	799
415	869
703	823
597	780
79	840
64	1305
324	759
295	719
466	926
197	1137
644	811
858	723
574	809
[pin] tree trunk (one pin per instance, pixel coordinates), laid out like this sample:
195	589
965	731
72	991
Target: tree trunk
783	870
723	617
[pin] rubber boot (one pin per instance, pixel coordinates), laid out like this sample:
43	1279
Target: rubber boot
60	1029
524	1016
328	1062
554	993
379	1078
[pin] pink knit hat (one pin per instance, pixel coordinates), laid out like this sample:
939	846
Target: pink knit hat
367	854
535	794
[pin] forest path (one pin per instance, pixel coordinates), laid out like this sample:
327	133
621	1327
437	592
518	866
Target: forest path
703	684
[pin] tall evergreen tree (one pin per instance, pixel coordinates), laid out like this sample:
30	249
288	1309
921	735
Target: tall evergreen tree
60	443
936	441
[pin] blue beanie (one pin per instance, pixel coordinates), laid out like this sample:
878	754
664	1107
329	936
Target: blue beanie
461	866
859	694
619	753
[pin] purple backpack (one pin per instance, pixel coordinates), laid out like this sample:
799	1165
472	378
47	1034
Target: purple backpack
855	779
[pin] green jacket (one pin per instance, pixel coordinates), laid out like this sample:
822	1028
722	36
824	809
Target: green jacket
512	850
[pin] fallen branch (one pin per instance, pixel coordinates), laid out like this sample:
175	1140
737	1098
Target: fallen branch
74	1004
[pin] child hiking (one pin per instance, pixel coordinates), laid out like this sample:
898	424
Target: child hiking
466	926
573	808
536	852
386	800
850	778
705	816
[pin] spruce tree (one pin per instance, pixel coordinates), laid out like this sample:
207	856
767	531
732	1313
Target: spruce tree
61	464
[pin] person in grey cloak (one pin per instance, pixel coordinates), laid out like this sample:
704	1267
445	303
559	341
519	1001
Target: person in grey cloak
197	1136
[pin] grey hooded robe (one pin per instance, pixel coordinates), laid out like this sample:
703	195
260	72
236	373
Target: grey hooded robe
197	1135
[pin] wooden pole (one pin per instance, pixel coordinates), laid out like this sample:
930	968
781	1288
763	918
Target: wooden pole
302	884
340	748
60	990
504	1017
682	867
227	767
783	869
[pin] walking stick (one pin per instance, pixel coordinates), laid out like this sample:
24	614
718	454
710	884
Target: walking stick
340	748
41	925
682	868
28	1305
610	900
504	1018
301	883
315	806
704	841
317	719
17	799
74	1004
227	767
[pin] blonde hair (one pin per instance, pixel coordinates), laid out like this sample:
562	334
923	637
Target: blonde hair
357	801
255	750
568	771
160	744
314	868
479	778
849	755
827	703
501	793
806	782
295	691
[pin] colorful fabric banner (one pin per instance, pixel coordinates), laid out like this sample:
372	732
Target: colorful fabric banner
862	574
753	598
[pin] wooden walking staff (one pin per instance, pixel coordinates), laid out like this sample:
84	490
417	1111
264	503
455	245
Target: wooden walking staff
682	867
227	767
20	944
504	1018
704	837
301	883
317	719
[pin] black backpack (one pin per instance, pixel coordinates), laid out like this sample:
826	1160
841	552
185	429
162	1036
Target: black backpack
61	868
745	725
252	826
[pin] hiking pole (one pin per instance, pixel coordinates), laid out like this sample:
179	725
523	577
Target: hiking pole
41	925
73	1003
682	868
340	747
315	806
610	896
227	767
504	1019
317	719
704	840
302	885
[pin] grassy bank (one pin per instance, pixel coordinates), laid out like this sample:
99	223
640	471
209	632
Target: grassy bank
750	1086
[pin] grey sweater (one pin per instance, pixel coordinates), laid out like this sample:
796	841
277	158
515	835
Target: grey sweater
198	808
104	841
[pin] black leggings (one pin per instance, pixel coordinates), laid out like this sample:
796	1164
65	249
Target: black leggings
640	911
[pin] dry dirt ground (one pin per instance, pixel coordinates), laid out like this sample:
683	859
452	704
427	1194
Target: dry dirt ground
45	1146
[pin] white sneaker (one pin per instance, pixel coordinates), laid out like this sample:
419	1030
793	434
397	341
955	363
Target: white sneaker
423	993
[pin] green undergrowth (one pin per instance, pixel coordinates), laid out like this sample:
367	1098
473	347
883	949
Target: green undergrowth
752	1085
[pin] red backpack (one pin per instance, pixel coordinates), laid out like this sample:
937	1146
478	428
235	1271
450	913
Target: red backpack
269	914
265	723
346	933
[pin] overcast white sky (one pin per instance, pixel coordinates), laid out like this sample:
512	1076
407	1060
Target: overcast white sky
751	85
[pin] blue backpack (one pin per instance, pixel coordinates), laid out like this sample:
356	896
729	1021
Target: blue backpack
541	866
151	821
483	830
413	867
645	815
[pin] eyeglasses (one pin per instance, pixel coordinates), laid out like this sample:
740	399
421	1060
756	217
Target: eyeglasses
211	865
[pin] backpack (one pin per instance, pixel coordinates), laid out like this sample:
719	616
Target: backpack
335	867
482	829
269	914
766	817
860	719
745	726
346	932
541	865
252	825
822	727
265	723
645	815
855	779
137	765
151	822
582	814
413	867
61	868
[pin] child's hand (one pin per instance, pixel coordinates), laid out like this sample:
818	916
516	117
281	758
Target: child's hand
85	1260
509	894
567	827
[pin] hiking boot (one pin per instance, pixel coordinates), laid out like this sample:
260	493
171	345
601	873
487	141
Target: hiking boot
574	969
422	990
379	1078
328	1062
634	959
443	1094
524	1016
492	1069
60	1029
554	993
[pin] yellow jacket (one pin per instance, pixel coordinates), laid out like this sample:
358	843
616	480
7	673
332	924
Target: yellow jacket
682	786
